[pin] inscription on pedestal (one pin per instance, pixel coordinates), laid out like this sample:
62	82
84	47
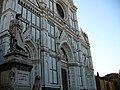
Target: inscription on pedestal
23	77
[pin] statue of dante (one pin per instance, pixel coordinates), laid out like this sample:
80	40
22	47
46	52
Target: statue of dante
16	34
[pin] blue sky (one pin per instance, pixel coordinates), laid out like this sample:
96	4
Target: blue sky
100	19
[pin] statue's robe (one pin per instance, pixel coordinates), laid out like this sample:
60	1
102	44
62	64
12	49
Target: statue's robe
15	30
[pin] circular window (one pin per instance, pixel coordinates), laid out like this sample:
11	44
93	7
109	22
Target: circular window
60	10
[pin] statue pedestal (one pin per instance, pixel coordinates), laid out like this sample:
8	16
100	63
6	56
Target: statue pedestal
15	71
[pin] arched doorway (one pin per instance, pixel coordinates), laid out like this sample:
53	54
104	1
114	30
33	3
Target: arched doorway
66	56
64	79
32	52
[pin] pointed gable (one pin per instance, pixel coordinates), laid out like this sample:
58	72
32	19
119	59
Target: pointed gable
63	37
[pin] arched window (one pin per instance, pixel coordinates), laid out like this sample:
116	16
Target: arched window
6	5
60	11
13	4
4	22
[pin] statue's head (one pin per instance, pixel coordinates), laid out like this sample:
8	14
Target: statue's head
18	16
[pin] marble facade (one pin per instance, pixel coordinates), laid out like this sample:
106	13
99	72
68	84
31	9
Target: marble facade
59	51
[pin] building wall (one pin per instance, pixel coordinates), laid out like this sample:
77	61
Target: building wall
54	44
106	84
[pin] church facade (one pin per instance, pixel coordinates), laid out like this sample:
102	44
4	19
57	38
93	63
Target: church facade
59	51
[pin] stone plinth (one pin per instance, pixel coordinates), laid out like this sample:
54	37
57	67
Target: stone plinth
15	71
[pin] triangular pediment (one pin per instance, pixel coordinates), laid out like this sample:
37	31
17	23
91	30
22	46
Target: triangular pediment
63	37
28	33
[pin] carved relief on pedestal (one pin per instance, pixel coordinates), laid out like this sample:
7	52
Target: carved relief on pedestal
12	77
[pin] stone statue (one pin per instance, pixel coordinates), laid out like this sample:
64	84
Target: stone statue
16	34
37	84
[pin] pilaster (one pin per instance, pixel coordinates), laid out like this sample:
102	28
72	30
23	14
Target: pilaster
84	78
44	31
72	78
